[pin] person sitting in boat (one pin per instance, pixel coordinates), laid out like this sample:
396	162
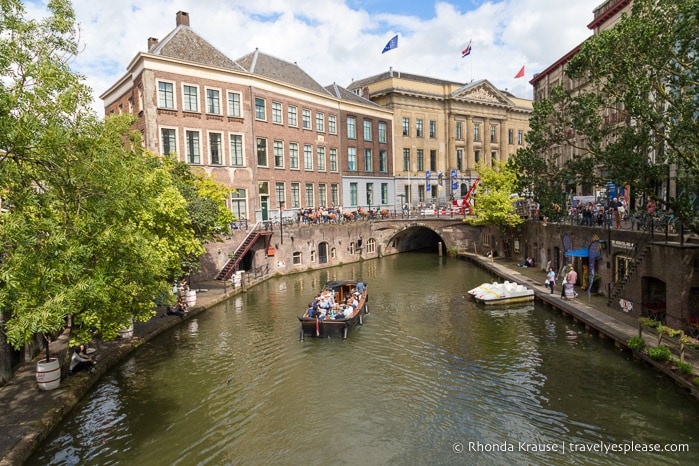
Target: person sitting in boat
311	310
80	361
361	286
348	311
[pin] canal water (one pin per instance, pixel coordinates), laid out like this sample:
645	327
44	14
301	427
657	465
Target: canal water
430	378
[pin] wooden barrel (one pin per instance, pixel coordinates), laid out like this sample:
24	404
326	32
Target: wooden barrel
126	332
48	373
191	298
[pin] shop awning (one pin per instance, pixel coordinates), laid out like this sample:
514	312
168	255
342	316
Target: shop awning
580	253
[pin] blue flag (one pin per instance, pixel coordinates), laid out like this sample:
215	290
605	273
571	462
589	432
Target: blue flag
392	44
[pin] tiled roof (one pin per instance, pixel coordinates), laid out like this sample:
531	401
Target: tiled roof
185	44
396	74
345	94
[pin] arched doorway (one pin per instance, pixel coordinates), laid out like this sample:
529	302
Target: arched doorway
323	253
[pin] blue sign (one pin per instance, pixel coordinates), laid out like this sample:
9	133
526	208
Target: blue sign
454	184
428	173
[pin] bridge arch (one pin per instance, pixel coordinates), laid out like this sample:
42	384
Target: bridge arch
415	237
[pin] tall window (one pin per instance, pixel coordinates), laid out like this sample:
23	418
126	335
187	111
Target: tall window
310	199
234	104
493	158
278	154
351	128
476	132
168	145
459	159
333	160
382	133
322	195
367	130
166	95
335	194
276	112
292	116
406	193
383	163
295	195
260	111
280	192
384	193
213	102
421	193
406	160
370	194
215	151
418	127
519	137
354	194
192	142
352	159
238	203
433	160
307	157
492	134
293	155
236	150
321	158
261	152
320	122
477	156
332	124
510	136
306	118
420	160
189	98
433	129
406	126
368	166
459	131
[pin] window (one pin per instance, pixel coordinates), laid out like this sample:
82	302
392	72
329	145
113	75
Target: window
369	194
354	194
321	159
293	155
406	160
384	193
406	126
332	124
292	116
351	128
236	141
406	193
213	102
297	258
169	141
276	113
261	152
278	154
519	137
192	141
383	164
309	195
260	110
368	167
492	134
238	203
306	118
322	195
234	104
382	133
418	127
215	152
313	255
333	160
279	191
367	130
307	157
459	131
335	194
189	97
510	136
433	129
421	193
433	160
295	195
460	159
420	160
352	159
476	132
166	95
477	156
320	122
371	246
493	158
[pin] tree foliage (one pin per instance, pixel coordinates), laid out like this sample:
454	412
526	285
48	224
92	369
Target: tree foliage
632	112
93	226
493	202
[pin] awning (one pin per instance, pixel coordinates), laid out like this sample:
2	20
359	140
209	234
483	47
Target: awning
580	253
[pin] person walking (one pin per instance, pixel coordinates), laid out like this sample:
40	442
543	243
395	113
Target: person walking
551	278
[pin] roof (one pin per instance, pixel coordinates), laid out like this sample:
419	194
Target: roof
275	68
397	74
342	93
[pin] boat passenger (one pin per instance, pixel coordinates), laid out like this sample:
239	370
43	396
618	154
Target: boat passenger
360	287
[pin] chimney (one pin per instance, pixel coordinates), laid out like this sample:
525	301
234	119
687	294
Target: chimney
152	42
182	18
365	92
390	71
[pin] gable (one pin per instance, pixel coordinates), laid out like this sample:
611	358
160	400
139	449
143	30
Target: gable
482	92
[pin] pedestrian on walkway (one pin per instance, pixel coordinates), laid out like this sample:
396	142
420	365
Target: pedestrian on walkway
571	278
551	278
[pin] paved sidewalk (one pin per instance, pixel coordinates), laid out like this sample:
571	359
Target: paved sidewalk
28	414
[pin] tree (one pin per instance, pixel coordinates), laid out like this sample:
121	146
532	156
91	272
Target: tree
94	227
636	113
494	203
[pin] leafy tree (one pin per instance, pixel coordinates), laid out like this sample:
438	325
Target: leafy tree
635	114
494	203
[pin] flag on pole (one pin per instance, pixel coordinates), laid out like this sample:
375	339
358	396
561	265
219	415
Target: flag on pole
520	73
392	44
467	51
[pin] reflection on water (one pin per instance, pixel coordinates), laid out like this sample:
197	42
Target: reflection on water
429	371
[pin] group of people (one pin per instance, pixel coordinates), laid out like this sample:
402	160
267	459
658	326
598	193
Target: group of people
570	276
180	307
324	306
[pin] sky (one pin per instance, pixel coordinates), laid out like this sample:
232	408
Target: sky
338	41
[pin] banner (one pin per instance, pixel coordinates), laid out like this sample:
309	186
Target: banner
428	174
454	183
592	253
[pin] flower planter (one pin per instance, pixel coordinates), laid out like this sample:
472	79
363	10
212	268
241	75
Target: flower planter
48	373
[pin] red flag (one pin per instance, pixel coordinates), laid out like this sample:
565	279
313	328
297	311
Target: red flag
520	73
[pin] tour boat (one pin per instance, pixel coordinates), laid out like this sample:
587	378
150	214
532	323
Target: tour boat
333	322
502	293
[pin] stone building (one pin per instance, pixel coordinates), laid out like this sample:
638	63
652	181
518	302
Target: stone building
260	125
443	129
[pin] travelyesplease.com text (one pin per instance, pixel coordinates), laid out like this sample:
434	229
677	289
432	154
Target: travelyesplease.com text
569	447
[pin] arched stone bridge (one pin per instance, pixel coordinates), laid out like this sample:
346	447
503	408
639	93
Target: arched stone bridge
400	235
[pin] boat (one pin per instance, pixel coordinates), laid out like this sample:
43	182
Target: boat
502	293
333	322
